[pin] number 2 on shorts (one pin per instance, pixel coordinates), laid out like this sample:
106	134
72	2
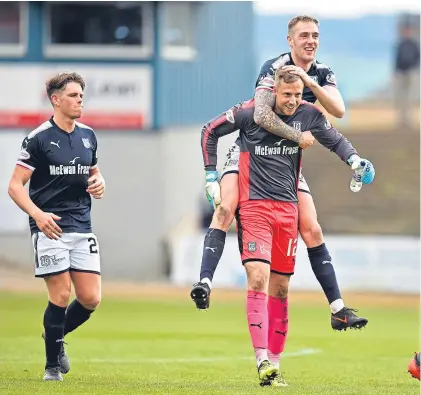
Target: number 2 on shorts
92	246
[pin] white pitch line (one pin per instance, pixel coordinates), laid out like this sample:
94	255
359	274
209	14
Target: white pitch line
298	353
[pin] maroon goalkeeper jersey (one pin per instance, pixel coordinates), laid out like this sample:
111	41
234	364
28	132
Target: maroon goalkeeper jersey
270	165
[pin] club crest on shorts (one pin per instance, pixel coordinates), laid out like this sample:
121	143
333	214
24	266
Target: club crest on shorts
296	125
251	246
86	143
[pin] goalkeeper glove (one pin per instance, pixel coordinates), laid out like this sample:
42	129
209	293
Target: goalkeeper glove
213	190
364	172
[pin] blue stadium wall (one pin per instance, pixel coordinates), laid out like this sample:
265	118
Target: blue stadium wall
185	92
223	73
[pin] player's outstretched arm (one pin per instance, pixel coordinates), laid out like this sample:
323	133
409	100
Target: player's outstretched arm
265	117
332	139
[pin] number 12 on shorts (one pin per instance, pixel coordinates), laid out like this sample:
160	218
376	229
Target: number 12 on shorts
292	247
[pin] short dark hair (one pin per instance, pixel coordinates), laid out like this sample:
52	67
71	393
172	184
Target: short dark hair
286	76
301	18
60	81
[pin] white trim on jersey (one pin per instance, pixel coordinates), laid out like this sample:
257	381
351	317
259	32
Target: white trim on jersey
281	61
266	88
82	125
266	83
94	166
25	165
321	66
46	125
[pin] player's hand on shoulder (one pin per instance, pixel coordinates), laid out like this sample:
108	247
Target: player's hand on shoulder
212	188
96	186
47	225
306	139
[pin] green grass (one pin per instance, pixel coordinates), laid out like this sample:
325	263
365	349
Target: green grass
141	347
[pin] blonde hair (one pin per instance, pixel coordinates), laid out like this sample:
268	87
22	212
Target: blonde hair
301	18
287	77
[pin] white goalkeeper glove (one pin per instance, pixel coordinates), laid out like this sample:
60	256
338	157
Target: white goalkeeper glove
212	188
364	172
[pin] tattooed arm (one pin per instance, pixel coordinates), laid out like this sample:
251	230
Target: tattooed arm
265	117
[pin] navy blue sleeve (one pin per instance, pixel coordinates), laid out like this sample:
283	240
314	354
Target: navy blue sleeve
328	78
30	153
94	151
266	78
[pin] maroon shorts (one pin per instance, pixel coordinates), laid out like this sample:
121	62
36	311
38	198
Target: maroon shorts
268	232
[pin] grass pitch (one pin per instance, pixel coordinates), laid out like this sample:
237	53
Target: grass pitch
165	346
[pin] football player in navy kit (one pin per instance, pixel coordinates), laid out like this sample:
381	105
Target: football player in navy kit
319	85
59	158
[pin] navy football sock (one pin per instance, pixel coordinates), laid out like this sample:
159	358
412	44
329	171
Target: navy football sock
212	251
76	315
54	329
325	273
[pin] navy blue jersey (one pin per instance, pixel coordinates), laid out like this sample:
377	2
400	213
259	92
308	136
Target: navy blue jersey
321	73
270	165
61	162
